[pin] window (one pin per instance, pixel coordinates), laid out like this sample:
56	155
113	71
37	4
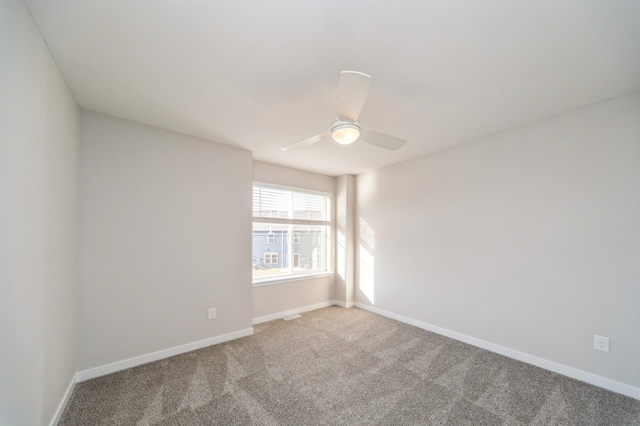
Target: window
270	258
283	218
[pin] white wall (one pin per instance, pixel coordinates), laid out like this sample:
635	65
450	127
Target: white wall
290	295
39	136
529	239
345	240
295	178
165	233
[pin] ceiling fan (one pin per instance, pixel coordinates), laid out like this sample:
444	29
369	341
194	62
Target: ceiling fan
346	129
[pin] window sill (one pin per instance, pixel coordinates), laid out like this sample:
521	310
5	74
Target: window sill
289	278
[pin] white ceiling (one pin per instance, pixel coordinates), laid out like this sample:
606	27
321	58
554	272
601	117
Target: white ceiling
263	74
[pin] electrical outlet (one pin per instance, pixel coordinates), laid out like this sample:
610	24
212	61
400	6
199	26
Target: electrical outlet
601	343
212	313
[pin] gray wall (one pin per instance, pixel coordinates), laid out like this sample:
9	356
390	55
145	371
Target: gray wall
529	239
38	185
165	233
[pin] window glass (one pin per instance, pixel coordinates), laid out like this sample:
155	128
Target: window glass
291	230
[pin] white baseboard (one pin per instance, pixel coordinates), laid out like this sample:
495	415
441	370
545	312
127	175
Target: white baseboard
342	304
283	314
155	356
65	400
574	373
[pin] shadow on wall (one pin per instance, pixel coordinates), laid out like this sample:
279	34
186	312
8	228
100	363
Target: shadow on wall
366	260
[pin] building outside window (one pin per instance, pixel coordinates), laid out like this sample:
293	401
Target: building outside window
291	231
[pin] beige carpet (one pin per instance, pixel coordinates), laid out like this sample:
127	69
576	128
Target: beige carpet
339	366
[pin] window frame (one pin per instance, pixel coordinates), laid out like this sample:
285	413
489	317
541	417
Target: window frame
295	274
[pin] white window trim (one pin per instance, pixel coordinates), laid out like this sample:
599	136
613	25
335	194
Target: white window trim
287	278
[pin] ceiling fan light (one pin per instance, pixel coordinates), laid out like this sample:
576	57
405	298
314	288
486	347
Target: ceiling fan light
345	132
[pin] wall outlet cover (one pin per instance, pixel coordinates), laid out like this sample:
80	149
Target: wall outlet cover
212	313
601	343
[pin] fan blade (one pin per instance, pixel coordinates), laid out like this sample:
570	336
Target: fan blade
352	93
382	140
305	142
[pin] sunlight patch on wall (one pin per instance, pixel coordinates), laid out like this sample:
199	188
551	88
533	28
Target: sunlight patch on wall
366	274
367	234
341	207
342	255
